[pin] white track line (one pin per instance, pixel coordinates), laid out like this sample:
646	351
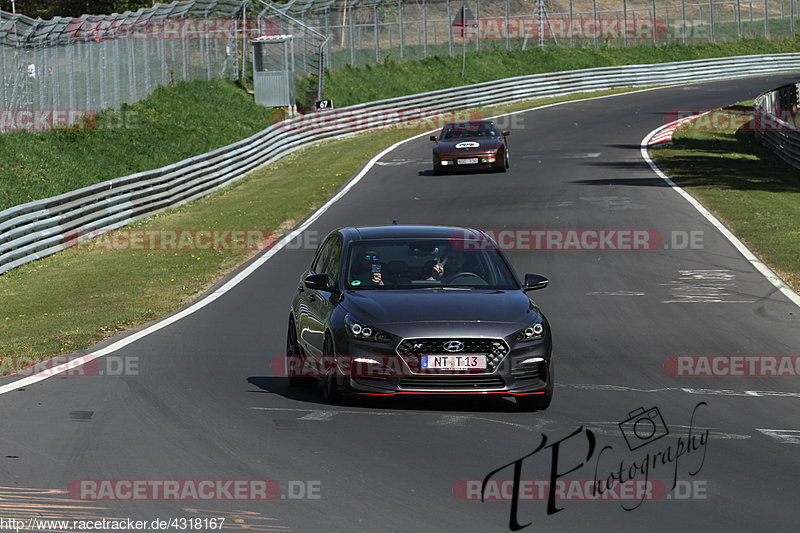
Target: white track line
687	390
759	265
252	267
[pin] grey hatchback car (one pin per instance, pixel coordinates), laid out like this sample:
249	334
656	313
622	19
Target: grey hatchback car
418	310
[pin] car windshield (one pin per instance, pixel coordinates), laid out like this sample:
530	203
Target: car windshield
426	263
469	131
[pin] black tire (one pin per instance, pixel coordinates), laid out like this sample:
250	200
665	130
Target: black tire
502	164
330	386
539	402
294	359
437	171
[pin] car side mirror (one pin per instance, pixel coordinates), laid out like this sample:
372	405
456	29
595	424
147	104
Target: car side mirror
535	281
318	282
506	133
433	138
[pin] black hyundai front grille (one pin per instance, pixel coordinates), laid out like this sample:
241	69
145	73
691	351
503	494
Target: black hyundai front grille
453	382
494	350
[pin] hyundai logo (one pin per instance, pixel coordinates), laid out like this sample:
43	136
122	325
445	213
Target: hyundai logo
454	346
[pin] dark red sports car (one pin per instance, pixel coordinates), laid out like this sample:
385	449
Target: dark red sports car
470	145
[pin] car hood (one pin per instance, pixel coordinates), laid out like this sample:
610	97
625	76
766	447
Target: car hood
431	312
484	145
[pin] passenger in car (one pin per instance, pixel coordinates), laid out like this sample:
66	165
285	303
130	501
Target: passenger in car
367	270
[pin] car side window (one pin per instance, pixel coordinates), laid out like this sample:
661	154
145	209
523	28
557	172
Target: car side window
333	258
328	258
320	263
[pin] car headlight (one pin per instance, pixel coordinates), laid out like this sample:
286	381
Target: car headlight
361	331
534	331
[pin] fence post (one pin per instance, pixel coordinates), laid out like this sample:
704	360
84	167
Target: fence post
683	21
711	20
402	28
596	24
375	25
103	68
352	38
449	29
505	29
625	23
327	56
571	33
478	22
424	28
654	24
88	77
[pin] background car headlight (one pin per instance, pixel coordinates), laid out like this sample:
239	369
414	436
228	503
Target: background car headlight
361	331
534	331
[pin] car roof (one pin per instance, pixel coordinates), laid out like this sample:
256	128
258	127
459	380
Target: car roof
412	232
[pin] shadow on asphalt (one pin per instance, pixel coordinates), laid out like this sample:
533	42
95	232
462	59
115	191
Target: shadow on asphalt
429	172
312	394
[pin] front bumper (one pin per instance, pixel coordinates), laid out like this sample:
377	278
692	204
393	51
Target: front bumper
450	163
512	369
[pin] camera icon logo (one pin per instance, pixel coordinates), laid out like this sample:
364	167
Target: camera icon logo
643	427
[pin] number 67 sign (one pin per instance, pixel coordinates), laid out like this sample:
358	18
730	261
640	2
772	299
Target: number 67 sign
323	104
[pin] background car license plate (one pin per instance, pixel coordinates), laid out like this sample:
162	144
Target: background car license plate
454	362
468	161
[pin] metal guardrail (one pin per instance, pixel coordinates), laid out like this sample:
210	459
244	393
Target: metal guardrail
34	230
774	109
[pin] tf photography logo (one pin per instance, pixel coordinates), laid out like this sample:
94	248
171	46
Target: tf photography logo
649	453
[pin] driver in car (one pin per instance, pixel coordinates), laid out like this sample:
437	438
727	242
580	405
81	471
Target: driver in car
448	267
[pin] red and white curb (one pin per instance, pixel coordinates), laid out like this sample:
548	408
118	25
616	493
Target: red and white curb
663	135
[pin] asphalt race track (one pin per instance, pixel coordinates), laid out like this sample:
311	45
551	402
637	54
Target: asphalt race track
204	403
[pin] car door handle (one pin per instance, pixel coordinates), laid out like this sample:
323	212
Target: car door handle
311	297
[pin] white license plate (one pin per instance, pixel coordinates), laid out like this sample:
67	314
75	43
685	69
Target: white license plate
454	362
468	161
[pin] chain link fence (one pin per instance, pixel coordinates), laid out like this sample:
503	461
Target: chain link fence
53	72
368	31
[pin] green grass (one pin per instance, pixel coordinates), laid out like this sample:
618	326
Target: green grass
753	192
173	123
52	306
390	78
